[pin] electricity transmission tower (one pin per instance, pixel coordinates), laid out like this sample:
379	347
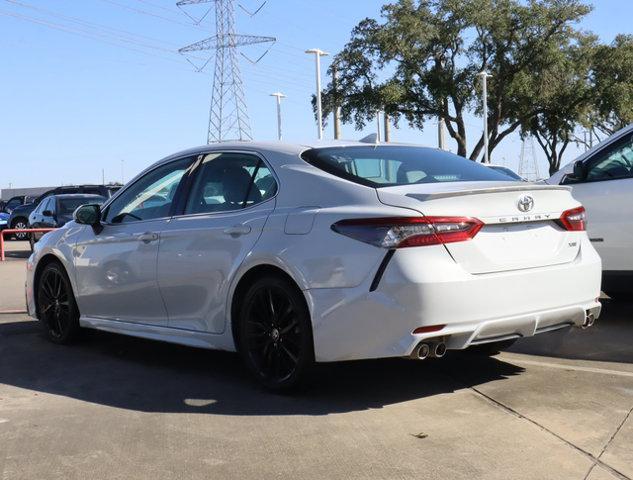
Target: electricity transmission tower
528	166
228	114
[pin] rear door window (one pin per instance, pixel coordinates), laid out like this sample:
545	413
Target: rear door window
230	181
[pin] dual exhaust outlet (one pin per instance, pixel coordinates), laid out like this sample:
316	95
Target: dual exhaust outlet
428	349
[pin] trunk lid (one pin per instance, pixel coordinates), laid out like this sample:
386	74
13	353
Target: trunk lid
511	239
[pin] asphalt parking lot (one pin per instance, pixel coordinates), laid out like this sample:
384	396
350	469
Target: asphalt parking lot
556	407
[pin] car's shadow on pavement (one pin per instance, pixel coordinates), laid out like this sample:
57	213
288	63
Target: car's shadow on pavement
609	340
129	373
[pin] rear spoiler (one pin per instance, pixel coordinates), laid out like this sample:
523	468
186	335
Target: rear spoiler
480	191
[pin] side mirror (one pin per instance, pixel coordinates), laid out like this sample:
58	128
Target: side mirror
88	215
47	213
580	170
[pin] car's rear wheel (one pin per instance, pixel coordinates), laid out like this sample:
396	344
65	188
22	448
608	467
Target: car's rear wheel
489	349
57	309
19	224
275	333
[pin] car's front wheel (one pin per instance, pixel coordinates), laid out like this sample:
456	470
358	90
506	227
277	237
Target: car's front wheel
19	224
57	309
275	333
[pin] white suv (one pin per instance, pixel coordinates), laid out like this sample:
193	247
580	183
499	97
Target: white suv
602	180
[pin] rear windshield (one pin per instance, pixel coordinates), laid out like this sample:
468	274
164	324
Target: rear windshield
385	166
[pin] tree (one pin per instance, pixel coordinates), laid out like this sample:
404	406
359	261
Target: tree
562	97
421	62
613	85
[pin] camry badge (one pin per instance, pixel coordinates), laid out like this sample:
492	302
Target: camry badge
525	203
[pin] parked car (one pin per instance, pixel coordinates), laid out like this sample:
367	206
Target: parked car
56	210
14	202
19	218
4	217
506	171
292	254
602	179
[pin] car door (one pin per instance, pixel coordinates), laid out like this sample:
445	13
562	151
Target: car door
115	263
607	195
229	200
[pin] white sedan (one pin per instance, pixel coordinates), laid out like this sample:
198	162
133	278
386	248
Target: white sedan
292	254
602	179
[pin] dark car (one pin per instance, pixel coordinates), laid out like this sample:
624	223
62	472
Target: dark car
20	215
14	202
57	210
4	217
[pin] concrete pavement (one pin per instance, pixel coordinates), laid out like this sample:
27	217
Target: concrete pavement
13	275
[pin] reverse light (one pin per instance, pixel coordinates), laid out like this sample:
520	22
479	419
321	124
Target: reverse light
401	232
574	220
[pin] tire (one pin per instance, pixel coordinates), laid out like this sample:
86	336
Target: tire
275	333
490	349
19	223
56	306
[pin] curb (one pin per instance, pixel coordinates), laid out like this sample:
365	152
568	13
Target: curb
11	312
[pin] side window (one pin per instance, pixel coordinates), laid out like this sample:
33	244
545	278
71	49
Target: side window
40	207
151	196
265	182
230	181
11	204
44	205
51	205
615	162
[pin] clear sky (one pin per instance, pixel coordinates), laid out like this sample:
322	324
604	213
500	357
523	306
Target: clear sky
97	84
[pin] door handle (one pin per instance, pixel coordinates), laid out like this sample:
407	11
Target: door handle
148	237
237	230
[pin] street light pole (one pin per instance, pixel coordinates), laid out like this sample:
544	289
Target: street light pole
484	86
279	96
317	56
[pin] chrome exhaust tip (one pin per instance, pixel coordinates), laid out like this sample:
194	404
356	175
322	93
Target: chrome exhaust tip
590	319
423	351
439	350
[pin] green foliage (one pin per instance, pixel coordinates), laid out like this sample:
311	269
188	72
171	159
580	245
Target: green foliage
562	96
613	85
420	61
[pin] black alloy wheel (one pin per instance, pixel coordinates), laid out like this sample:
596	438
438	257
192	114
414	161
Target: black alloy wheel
275	333
56	305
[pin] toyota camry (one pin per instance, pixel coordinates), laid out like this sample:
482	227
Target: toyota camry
296	254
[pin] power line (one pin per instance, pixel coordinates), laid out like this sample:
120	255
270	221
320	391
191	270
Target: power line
131	37
93	36
228	113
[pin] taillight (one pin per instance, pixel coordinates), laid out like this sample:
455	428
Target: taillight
574	220
400	232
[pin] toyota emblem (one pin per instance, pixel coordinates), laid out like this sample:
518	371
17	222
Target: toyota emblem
525	203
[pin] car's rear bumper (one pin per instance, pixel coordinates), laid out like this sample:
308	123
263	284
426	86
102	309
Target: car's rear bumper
430	289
